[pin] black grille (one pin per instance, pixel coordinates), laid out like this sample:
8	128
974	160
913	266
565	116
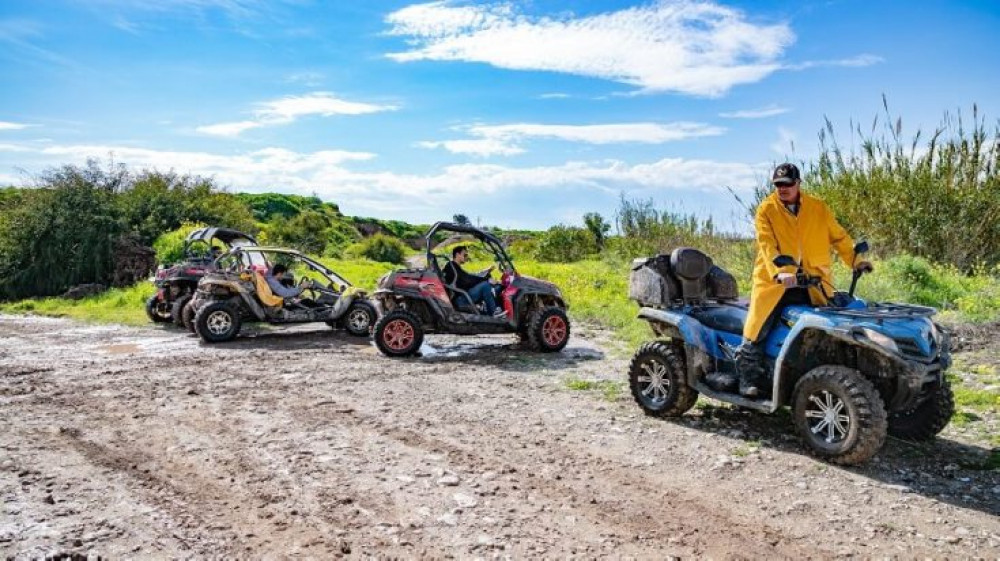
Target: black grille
911	350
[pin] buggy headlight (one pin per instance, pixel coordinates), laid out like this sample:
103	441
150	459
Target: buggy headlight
880	339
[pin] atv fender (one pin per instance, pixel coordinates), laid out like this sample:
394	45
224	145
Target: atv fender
675	325
344	302
788	364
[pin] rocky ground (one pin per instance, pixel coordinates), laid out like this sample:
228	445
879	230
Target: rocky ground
127	442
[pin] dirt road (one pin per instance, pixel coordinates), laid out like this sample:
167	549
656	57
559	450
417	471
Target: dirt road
144	442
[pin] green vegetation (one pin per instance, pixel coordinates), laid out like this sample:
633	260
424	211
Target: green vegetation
611	390
939	199
118	305
379	247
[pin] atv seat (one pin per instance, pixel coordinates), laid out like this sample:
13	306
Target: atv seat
727	318
264	293
464	304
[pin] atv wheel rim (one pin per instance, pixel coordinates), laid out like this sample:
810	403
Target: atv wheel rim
219	322
654	384
554	330
827	417
398	335
358	320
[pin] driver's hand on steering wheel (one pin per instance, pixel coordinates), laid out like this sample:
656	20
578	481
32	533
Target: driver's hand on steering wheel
787	279
864	267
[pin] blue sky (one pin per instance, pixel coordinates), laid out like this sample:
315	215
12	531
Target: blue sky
518	114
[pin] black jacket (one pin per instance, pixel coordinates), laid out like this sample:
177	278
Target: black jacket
465	280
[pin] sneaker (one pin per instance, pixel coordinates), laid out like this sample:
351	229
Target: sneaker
500	313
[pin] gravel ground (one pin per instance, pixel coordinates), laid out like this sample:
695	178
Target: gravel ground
128	442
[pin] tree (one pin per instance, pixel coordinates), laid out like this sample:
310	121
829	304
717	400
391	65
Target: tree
598	227
461	220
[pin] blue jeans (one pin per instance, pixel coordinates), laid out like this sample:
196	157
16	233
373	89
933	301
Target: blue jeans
482	292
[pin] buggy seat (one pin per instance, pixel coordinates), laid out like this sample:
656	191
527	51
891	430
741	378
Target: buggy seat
264	293
461	304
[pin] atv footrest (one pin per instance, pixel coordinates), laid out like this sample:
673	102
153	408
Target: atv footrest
765	405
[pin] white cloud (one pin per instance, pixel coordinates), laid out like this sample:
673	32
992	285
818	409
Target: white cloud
554	95
8	126
785	145
290	108
504	140
852	62
690	47
328	174
760	113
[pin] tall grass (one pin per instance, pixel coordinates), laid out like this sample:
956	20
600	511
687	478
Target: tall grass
937	198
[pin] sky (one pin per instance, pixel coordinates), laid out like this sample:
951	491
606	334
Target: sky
517	114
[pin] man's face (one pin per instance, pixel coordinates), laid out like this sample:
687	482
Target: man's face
279	275
788	193
462	257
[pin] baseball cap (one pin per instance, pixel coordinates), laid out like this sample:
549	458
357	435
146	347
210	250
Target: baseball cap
785	174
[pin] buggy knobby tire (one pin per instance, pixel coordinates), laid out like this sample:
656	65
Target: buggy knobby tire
548	329
359	319
398	333
154	312
926	420
187	314
217	322
177	309
839	414
656	378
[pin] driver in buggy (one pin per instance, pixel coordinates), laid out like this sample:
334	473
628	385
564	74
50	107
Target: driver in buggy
292	293
479	288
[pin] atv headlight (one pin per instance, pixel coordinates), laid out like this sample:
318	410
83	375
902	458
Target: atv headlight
880	339
935	334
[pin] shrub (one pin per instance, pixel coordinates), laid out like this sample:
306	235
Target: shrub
169	247
379	248
565	244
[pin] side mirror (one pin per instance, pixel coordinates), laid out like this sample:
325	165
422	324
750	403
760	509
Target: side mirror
861	247
784	261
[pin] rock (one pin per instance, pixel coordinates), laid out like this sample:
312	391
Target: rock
82	291
49	500
465	501
900	488
449	480
491	475
448	519
953	539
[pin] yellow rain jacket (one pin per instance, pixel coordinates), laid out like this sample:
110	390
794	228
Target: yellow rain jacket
807	238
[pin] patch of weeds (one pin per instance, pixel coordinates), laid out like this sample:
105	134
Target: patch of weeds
747	448
964	418
991	462
610	390
889	527
980	400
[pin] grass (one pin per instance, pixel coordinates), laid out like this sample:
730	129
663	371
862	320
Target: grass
610	390
118	305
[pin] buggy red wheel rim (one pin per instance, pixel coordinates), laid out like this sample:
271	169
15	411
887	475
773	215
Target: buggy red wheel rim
398	334
554	330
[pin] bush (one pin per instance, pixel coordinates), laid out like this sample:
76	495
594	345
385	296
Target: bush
564	244
169	247
379	248
940	200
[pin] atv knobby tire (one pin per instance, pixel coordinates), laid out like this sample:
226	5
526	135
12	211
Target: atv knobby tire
217	322
548	329
839	414
154	315
398	333
656	377
359	319
926	420
177	309
187	314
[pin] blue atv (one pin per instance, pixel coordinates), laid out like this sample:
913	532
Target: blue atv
851	371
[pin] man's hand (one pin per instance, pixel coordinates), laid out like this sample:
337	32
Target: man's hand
787	279
864	267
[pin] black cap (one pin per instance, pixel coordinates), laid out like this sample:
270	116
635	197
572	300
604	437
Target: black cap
785	174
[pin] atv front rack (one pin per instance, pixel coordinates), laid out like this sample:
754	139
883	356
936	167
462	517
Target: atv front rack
885	310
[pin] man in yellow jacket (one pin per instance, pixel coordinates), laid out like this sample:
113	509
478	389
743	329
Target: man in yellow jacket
789	222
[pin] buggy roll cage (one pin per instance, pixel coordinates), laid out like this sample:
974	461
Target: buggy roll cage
489	240
238	250
228	236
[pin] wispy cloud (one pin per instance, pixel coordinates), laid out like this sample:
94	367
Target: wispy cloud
759	113
851	62
328	174
21	37
505	140
288	109
8	126
554	95
691	47
785	145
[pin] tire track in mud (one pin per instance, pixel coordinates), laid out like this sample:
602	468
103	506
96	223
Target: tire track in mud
696	528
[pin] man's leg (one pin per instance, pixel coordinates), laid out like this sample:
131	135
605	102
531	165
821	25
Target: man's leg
750	356
483	292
